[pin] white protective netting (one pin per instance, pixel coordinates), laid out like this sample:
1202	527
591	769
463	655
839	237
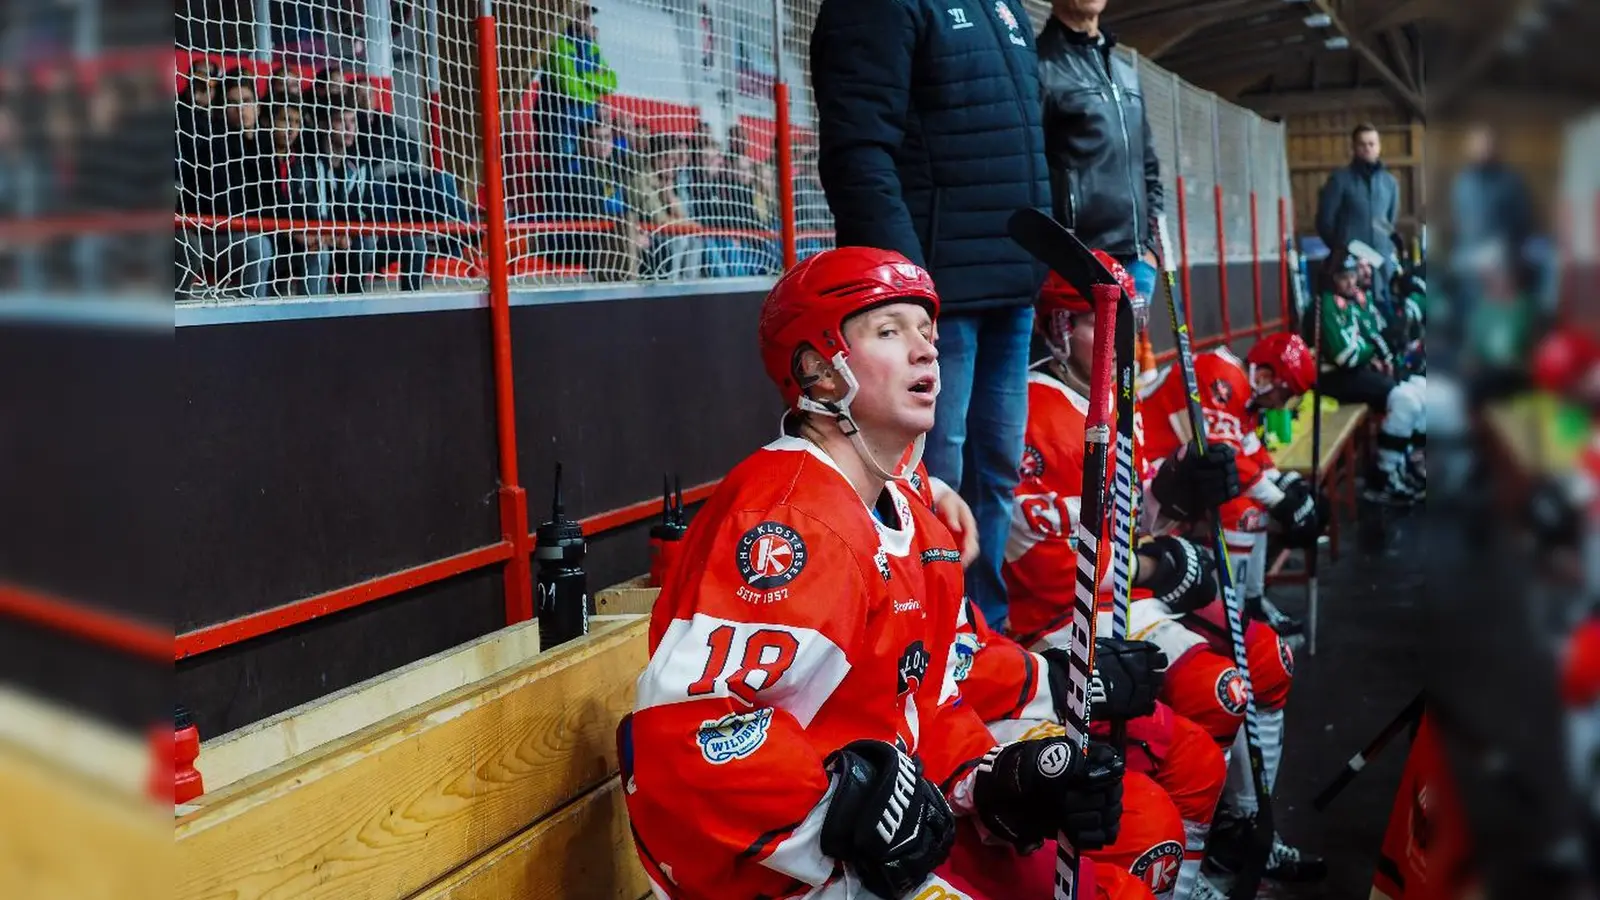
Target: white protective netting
813	220
1233	173
317	150
1160	98
1198	163
642	143
84	103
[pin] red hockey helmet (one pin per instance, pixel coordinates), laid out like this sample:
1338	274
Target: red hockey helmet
1562	359
1289	358
808	306
1059	295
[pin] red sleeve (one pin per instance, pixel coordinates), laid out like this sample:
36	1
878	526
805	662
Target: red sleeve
1041	550
725	702
1003	680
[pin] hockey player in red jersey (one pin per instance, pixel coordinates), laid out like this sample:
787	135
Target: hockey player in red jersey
1202	681
799	731
1172	574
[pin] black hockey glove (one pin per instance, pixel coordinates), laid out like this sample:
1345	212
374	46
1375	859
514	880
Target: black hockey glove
889	824
1298	514
1031	790
1180	574
1127	677
1188	486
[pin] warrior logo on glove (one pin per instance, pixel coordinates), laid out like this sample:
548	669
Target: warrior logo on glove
770	555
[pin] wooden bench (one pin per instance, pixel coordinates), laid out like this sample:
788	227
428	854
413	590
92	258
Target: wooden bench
1343	436
505	787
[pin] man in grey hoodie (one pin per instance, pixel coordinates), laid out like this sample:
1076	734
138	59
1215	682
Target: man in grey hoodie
1359	202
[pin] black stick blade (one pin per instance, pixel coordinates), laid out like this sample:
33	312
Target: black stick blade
1051	243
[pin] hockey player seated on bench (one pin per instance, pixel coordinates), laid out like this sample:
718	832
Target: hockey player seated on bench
1358	366
798	730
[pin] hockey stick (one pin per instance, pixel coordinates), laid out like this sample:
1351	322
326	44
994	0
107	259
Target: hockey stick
1025	228
1123	522
1313	555
1409	716
1249	876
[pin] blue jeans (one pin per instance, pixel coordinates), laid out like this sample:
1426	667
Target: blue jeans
976	442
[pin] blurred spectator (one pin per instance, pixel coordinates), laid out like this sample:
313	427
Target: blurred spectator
18	188
335	185
576	75
663	215
283	86
813	225
590	187
1490	206
231	171
1359	202
284	124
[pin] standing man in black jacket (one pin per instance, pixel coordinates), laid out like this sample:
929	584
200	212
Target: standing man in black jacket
929	139
1104	174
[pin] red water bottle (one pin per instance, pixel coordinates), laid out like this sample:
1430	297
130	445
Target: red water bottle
186	784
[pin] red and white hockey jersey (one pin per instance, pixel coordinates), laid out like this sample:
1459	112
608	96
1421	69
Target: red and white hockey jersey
1225	395
795	623
1041	551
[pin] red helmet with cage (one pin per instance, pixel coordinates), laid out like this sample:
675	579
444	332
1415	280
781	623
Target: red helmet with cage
1562	359
1290	360
808	306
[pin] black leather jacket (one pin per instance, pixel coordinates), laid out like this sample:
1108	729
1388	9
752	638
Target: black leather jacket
1105	179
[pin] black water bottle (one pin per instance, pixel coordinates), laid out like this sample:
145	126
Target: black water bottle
561	588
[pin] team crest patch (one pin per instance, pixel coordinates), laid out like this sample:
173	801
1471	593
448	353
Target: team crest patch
770	555
913	667
1286	656
1158	866
1230	691
1032	462
965	648
734	736
1221	391
1009	19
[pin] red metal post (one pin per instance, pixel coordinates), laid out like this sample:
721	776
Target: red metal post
1283	259
1255	261
436	130
513	500
1222	265
1183	258
780	99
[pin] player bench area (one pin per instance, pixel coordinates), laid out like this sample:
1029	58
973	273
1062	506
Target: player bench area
486	788
1344	436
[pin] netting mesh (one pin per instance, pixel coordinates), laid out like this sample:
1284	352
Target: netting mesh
1233	173
1198	163
813	220
83	118
315	154
335	147
1160	95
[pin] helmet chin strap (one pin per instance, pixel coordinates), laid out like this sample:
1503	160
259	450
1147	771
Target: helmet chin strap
839	410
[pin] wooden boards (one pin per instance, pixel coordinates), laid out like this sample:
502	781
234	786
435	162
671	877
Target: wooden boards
582	852
632	597
386	811
237	754
1338	426
64	836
